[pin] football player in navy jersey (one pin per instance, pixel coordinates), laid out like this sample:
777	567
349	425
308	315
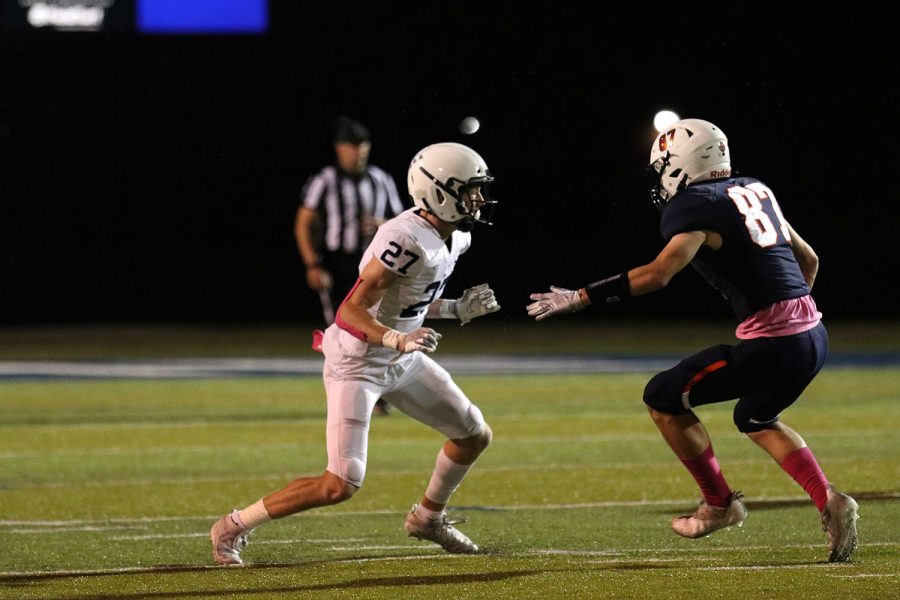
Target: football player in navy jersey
732	231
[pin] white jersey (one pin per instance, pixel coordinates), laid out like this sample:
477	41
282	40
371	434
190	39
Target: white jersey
409	246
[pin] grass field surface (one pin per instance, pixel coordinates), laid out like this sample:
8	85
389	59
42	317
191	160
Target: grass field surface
108	489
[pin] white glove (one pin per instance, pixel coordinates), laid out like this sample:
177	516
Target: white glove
558	301
423	339
475	302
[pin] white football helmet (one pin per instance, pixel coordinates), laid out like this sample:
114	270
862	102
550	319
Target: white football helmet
439	177
688	151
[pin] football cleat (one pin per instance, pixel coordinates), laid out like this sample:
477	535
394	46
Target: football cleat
839	522
228	539
707	519
441	531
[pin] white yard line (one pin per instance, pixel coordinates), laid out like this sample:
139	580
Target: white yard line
112	571
196	368
474	364
410	546
682	549
769	567
312	541
70	529
149	450
166	569
56	526
159	536
118	522
204	534
860	575
438	554
191	480
382	443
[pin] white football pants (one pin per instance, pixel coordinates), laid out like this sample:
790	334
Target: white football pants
420	388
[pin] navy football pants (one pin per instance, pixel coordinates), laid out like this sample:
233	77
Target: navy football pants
766	374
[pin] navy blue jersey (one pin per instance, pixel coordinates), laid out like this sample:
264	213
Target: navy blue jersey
755	267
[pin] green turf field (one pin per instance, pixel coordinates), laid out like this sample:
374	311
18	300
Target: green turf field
108	488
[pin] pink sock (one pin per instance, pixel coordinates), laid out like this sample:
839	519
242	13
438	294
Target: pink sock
708	475
802	466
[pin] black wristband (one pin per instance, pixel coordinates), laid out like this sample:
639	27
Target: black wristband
609	290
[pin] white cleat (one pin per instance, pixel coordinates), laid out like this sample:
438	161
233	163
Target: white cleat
707	519
839	522
228	539
441	531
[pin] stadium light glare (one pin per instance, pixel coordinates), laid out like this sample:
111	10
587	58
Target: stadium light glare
664	119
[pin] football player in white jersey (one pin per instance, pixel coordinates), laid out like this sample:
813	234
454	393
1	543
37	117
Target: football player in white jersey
377	348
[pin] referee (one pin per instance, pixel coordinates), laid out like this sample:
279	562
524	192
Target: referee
341	206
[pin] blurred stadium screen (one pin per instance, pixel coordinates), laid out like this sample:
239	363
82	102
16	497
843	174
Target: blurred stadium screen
203	16
154	17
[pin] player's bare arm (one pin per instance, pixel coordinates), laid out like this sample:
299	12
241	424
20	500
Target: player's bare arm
316	276
353	315
369	290
676	255
805	255
645	279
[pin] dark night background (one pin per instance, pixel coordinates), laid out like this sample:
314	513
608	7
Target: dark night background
155	179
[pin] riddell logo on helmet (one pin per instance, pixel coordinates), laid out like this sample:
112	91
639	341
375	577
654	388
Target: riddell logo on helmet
722	173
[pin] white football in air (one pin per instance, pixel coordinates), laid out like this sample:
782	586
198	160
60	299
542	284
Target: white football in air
469	125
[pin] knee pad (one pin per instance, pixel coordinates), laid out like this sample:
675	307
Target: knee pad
353	470
475	420
484	437
663	394
487	435
745	422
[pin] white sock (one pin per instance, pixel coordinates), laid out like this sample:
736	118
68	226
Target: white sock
427	513
254	515
445	479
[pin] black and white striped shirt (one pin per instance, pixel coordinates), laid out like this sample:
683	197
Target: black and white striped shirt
343	200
